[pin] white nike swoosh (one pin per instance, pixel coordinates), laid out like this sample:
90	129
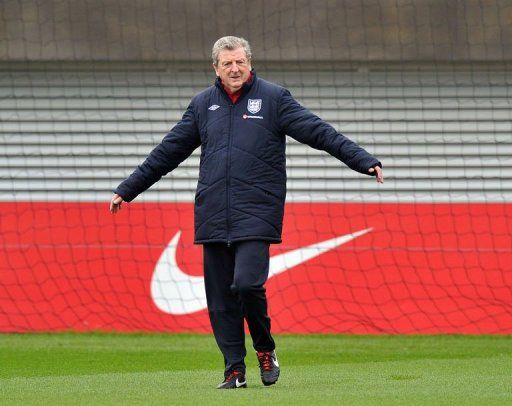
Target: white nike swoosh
175	292
238	384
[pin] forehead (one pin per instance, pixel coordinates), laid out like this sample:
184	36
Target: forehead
232	54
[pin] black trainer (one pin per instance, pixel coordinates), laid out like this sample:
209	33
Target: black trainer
234	380
269	367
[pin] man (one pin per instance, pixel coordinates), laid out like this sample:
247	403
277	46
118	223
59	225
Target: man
240	124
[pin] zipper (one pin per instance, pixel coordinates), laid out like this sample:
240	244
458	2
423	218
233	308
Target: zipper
228	164
228	176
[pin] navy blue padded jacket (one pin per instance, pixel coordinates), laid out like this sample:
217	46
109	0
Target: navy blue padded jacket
242	176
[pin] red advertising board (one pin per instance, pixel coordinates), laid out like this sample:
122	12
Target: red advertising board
342	268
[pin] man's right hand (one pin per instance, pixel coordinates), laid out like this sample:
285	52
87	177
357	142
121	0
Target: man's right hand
115	203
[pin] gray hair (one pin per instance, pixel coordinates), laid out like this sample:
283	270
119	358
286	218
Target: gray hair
230	43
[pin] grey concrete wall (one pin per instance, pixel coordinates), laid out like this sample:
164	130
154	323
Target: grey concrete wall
286	30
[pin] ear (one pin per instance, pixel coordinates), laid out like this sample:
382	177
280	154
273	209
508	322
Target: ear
215	69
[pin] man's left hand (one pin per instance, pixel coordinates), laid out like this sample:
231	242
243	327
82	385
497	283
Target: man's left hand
377	171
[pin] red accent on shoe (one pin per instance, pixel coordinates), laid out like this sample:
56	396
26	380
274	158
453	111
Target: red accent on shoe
265	359
232	375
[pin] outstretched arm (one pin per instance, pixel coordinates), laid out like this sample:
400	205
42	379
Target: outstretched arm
304	126
175	147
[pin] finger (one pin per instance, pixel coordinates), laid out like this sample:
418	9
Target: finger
377	174
371	170
380	174
115	203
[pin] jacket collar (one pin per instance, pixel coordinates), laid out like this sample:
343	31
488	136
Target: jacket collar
244	89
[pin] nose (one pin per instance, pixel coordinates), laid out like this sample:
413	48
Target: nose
234	67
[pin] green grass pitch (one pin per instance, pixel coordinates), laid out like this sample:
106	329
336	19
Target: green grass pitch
117	369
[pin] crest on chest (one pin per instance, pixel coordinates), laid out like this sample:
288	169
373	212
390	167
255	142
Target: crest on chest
254	105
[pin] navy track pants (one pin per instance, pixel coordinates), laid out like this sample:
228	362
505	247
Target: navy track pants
234	278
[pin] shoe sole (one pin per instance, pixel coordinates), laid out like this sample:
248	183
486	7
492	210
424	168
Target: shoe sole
232	387
269	383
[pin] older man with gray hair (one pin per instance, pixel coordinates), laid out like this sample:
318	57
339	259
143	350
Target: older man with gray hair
240	123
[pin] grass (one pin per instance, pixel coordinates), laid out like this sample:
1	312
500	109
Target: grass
115	369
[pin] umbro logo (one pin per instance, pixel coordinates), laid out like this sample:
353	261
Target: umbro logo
213	107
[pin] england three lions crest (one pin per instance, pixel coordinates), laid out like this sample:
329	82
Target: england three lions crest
254	105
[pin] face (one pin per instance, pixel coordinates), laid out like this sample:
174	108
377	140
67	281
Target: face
233	68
